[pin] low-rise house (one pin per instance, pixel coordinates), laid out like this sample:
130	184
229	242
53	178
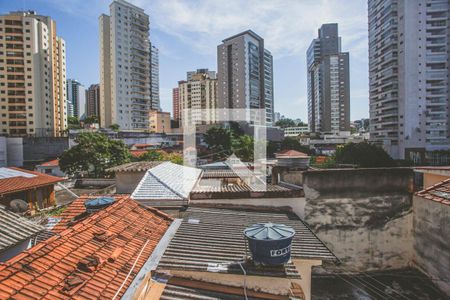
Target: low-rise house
97	256
209	256
34	188
129	175
51	168
16	233
431	232
166	185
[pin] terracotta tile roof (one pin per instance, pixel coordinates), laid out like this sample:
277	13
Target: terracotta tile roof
20	183
15	229
291	153
52	163
74	209
90	259
439	192
138	166
137	153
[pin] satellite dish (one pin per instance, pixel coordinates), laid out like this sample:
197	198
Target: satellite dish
18	205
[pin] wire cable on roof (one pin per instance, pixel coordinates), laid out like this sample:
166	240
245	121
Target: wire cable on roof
131	270
245	280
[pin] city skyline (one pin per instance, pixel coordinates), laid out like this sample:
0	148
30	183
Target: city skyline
185	45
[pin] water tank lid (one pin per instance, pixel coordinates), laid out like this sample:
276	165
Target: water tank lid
269	231
99	202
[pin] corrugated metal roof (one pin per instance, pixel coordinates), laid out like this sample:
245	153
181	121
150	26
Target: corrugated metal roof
15	229
208	186
224	173
212	239
167	181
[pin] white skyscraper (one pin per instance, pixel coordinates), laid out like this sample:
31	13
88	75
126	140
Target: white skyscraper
409	76
125	67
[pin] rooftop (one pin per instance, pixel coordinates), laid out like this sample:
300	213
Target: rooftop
140	166
51	163
14	180
290	154
15	229
166	184
97	257
439	192
74	210
212	240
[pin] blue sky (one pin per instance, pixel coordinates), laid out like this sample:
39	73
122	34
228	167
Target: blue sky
187	33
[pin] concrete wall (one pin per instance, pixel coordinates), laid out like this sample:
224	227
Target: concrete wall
37	150
15	151
430	179
432	240
297	204
363	215
3	152
127	182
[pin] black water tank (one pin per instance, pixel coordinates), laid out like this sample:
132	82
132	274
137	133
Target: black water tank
99	203
269	243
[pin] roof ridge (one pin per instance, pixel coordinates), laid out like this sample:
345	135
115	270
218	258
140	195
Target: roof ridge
162	182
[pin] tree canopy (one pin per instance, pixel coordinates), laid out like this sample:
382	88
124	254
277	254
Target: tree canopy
290	143
364	154
93	154
91	120
157	155
285	123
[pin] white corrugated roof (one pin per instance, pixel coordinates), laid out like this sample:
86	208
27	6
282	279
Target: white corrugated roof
15	229
167	181
8	173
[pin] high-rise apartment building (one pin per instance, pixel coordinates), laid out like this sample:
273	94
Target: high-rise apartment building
154	78
32	76
328	83
93	100
126	59
245	74
176	104
409	76
76	95
198	93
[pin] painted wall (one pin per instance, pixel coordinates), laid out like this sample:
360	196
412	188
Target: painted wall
430	179
364	216
432	240
127	182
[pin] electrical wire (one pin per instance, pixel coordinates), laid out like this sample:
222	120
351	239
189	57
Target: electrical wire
131	270
245	280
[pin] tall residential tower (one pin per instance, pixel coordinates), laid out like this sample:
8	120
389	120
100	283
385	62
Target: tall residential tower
409	46
245	74
76	96
328	83
32	76
93	100
198	93
126	60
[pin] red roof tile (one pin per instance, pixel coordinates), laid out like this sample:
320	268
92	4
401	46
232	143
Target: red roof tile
88	260
439	192
52	163
20	183
291	153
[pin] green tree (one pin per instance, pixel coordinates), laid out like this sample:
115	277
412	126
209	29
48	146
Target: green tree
285	123
290	143
174	158
151	155
272	148
73	120
219	140
93	154
114	127
91	120
242	146
364	154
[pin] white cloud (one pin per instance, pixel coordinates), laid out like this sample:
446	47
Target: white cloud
287	26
